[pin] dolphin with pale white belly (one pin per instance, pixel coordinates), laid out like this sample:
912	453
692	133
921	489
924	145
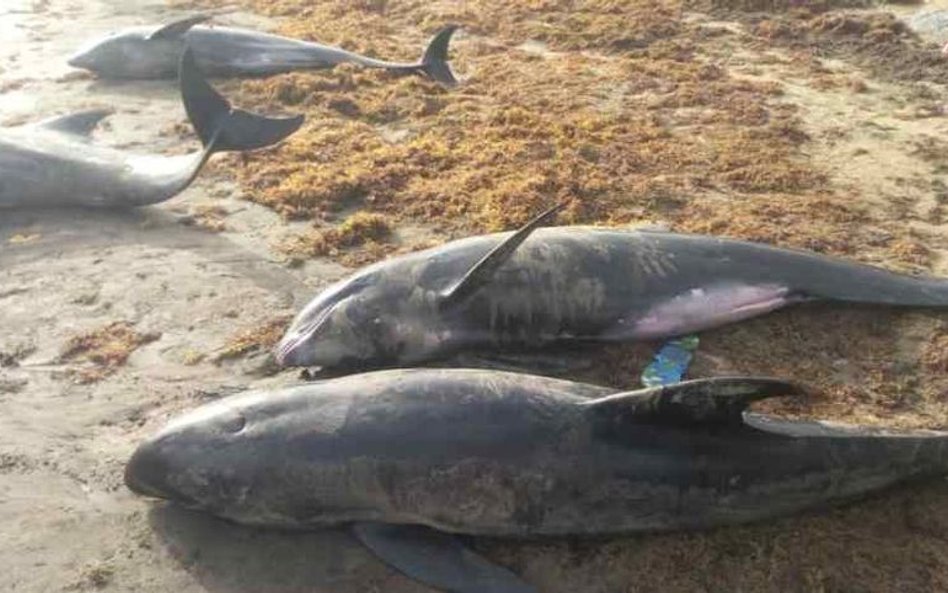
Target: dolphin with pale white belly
53	164
409	458
152	52
570	285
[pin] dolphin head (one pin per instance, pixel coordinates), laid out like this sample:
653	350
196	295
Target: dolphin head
376	319
241	456
130	53
194	460
346	325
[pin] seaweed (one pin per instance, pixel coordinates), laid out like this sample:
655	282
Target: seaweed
107	349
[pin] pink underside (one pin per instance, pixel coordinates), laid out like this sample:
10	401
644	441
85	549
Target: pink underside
704	308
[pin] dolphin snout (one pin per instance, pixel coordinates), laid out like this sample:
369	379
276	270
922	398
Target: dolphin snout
147	472
80	60
289	352
76	61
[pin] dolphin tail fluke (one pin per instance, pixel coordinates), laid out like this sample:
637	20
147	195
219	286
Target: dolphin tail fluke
220	126
435	61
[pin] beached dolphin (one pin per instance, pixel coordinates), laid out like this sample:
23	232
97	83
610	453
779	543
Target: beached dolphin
52	164
410	456
570	285
153	52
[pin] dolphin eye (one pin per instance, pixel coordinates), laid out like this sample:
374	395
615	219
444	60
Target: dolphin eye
234	424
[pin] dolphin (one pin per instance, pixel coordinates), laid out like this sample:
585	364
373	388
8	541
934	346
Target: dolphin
411	457
153	52
52	164
569	286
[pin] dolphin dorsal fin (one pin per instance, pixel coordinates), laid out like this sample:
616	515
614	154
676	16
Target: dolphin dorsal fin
178	28
715	401
80	123
483	271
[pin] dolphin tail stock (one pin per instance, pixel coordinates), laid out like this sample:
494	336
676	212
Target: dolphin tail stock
220	126
840	280
434	62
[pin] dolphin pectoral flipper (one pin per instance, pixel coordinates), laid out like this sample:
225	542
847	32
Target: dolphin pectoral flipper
483	271
80	123
178	27
713	401
437	559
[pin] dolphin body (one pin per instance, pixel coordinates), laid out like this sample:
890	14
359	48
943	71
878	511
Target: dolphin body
408	457
52	164
569	285
153	52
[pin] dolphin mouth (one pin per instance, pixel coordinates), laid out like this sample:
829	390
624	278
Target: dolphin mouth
289	346
145	476
285	350
140	470
147	473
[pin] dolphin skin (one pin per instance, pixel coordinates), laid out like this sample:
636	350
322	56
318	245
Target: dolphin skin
153	52
52	164
410	456
570	285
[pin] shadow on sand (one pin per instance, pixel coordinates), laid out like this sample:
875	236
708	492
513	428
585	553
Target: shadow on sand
229	558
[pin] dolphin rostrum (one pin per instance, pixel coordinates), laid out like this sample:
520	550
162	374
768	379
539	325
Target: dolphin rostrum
570	285
409	457
52	164
153	52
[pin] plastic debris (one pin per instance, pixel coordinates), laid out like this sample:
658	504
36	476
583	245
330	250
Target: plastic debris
671	362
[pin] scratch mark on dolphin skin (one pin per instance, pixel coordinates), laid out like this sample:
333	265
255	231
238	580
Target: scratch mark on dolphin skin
653	262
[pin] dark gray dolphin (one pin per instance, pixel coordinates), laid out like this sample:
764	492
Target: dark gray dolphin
153	52
410	456
52	164
570	285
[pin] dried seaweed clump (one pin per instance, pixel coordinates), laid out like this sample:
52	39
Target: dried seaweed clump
935	353
260	338
606	25
357	230
207	217
107	349
764	6
636	120
878	41
534	131
824	223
